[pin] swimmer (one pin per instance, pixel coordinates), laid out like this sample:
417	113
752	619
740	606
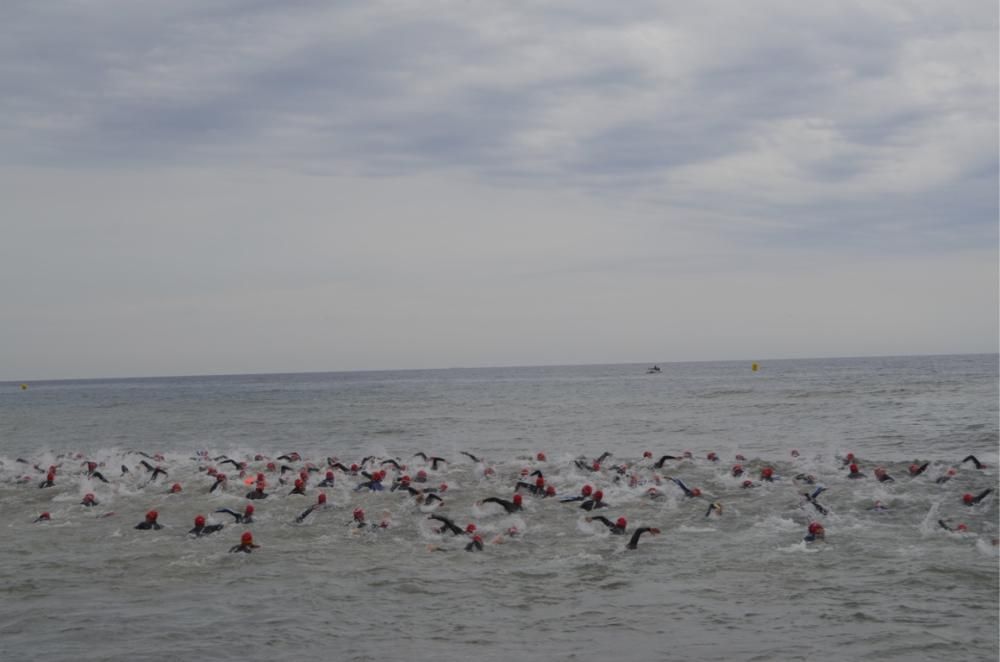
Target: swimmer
659	463
849	459
748	484
634	542
150	522
175	488
320	503
948	475
715	507
446	525
219	480
737	470
393	463
300	488
374	484
245	518
767	473
476	545
328	481
596	502
585	493
811	498
617	527
855	473
970	500
89	500
883	475
540	456
257	493
815	532
712	457
512	506
50	480
537	489
421	476
44	517
879	507
201	529
550	491
246	544
961	528
808	479
688	492
972	458
916	470
289	457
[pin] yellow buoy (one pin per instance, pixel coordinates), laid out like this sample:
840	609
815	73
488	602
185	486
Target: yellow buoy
24	387
754	366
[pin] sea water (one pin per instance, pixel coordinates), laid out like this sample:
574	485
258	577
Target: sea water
884	585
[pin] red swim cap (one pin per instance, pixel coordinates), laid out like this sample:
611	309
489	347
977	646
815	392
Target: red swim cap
246	538
596	465
45	515
621	523
329	475
951	472
354	467
748	483
298	482
321	498
961	527
587	490
304	475
853	468
647	454
850	456
712	456
795	452
598	495
152	515
477	538
51	475
359	514
88	497
421	474
525	471
737	469
740	458
199	520
249	509
404	479
967	498
695	491
539	482
176	487
540	457
471	528
271	466
767	472
550	490
517	499
815	527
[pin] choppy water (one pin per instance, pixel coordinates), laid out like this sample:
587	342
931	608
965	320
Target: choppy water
743	586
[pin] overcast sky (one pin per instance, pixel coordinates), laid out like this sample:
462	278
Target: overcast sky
232	186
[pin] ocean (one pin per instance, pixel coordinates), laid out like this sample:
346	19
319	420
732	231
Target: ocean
885	584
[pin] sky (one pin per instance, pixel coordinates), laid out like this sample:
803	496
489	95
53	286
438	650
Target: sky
237	186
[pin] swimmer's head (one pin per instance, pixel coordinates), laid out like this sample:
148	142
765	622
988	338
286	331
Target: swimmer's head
175	488
88	498
354	468
518	499
298	483
951	472
329	475
256	458
596	466
850	456
961	527
695	491
477	538
766	472
359	515
687	454
405	478
740	458
647	454
712	457
152	515
795	452
199	520
587	490
968	498
45	516
853	468
550	490
540	456
211	471
737	469
471	528
271	466
525	471
598	495
421	475
443	487
246	538
249	509
321	499
748	483
621	523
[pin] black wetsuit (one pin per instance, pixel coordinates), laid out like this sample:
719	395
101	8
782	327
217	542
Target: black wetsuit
326	482
308	511
246	549
659	463
975	461
199	531
98	475
612	526
46	483
470	456
145	526
476	545
811	498
634	542
256	494
885	478
921	469
982	495
592	504
509	506
218	481
447	525
88	504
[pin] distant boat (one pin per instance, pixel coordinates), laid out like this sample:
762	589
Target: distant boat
655	370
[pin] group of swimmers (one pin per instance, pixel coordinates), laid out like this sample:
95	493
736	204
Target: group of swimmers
371	475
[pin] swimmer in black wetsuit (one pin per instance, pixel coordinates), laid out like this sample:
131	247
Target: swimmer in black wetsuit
538	489
970	500
811	498
617	527
808	479
150	522
257	493
89	500
948	475
972	458
688	492
715	507
855	473
916	470
289	457
510	506
585	493
634	542
328	481
50	480
219	480
767	473
476	545
246	544
245	518
201	529
883	475
320	503
961	528
300	488
737	470
594	503
659	463
815	532
447	525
